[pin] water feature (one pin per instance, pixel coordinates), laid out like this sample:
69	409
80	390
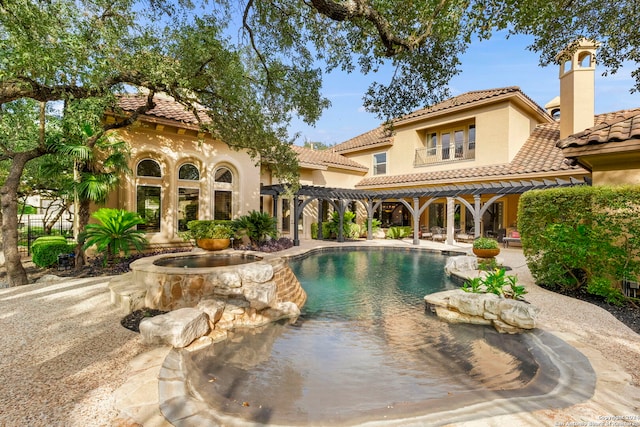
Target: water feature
206	260
365	350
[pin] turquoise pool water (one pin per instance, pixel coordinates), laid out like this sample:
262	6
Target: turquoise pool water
364	349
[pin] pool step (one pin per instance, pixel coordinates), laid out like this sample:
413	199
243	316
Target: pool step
126	294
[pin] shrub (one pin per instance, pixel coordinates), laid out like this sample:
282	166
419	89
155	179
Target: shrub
581	237
326	230
258	226
46	249
496	282
485	243
209	229
115	233
396	232
350	230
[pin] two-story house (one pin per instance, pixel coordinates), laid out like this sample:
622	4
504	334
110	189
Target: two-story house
463	163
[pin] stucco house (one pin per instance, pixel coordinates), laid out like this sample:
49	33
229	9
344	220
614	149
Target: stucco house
460	164
180	173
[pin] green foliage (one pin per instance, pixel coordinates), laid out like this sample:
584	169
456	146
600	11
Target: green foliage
496	282
257	226
582	236
46	249
350	229
115	233
485	243
211	229
398	232
326	230
488	264
27	210
601	286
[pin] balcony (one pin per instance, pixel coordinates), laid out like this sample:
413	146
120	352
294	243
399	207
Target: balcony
439	154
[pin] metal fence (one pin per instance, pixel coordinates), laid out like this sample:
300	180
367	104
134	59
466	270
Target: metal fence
32	226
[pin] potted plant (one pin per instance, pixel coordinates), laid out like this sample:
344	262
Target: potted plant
484	247
211	235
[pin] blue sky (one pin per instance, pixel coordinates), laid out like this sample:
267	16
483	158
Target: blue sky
494	63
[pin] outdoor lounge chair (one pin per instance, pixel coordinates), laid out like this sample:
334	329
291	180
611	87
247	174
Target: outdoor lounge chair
467	236
512	237
438	234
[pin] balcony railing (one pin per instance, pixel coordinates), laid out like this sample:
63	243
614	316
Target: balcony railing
435	155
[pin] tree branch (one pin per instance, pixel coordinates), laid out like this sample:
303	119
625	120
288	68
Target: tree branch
246	26
353	9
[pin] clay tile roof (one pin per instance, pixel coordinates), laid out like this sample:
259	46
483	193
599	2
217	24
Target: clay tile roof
612	127
538	154
464	99
166	108
379	136
326	158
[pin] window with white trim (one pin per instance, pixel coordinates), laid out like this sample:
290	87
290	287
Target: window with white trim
380	163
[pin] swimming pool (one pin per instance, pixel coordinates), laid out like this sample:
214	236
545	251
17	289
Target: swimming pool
365	351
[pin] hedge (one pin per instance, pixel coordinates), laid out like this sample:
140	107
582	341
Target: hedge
582	237
46	249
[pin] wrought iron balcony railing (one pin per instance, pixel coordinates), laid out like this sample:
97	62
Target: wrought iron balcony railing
439	154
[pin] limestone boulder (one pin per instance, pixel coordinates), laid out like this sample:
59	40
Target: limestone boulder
453	316
178	328
257	272
468	303
213	308
461	263
518	313
261	295
230	279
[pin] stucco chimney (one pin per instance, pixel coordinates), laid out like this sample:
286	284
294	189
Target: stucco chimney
577	87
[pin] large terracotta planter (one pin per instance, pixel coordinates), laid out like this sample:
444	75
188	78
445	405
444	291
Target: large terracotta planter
486	253
213	244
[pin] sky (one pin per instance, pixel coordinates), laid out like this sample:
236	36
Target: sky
494	63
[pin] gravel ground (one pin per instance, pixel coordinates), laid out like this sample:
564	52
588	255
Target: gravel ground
64	353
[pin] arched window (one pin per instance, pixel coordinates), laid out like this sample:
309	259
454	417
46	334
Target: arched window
148	167
224	175
188	195
584	59
189	172
148	197
223	193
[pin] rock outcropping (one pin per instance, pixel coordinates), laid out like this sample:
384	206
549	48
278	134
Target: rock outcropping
506	315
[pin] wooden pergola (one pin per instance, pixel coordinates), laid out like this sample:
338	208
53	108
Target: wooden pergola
340	198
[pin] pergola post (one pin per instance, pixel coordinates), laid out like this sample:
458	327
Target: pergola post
476	216
320	202
450	220
416	220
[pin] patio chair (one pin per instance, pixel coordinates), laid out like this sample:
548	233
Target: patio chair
512	237
426	234
466	236
438	234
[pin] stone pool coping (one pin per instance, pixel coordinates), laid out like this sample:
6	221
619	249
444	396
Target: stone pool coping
612	349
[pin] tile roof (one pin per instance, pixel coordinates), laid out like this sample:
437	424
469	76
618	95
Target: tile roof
326	158
539	154
166	108
612	127
464	99
383	136
378	136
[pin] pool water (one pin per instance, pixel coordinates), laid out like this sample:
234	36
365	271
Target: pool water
363	349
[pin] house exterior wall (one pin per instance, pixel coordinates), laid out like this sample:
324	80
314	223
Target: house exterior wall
173	147
501	130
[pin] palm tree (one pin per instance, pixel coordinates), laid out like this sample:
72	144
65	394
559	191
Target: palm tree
116	233
97	168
